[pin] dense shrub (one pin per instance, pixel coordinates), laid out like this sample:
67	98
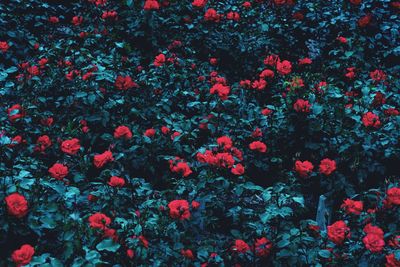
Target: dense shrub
199	133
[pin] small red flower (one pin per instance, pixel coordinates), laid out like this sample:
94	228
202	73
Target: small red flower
302	106
352	206
327	166
303	168
71	147
240	246
371	120
284	67
179	209
99	221
100	160
116	181
258	146
338	232
58	171
262	247
23	255
122	132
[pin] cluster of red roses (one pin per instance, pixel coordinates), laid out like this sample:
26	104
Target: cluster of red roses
305	168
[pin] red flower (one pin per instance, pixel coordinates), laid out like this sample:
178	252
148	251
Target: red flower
393	195
179	209
15	112
284	67
16	205
373	241
187	253
305	61
53	19
233	16
391	261
303	168
58	171
116	181
271	60
130	253
151	5
165	130
212	15
179	166
377	75
246	4
355	2
42	143
47	121
150	132
225	142
77	20
159	60
262	247
338	231
221	90
199	3
327	166
4	47
258	146
364	21
370	119
391	112
109	15
124	83
238	169
122	132
352	206
342	39
100	160
266	111
267	74
302	106
99	221
71	147
23	255
379	99
240	246
195	204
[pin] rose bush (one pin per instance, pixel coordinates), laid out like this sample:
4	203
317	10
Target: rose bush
199	133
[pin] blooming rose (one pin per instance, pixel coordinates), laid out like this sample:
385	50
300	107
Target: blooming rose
159	60
199	3
71	147
238	169
180	167
58	171
258	146
393	195
240	246
122	132
23	255
327	166
151	5
370	119
391	261
262	247
221	90
212	15
225	142
373	241
150	132
303	168
116	181
42	143
364	21
16	205
77	20
195	204
4	47
352	206
100	160
187	253
99	221
124	83
179	209
302	105
338	231
377	75
283	67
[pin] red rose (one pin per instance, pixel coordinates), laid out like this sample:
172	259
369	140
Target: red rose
77	20
305	61
221	90
199	3
262	247
151	5
116	181
364	21
225	142
23	256
4	47
391	112
195	204
391	261
99	221
342	39
377	75
58	171
327	166
150	132
53	19
393	195
370	119
17	205
267	74
165	130
246	4
374	242
130	253
352	206
212	15
15	112
100	160
302	106
179	209
159	60
284	67
238	169
258	146
71	147
42	143
180	167
124	83
240	246
338	231
233	16
303	168
187	253
122	132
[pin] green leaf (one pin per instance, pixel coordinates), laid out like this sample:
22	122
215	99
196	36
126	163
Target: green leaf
108	244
